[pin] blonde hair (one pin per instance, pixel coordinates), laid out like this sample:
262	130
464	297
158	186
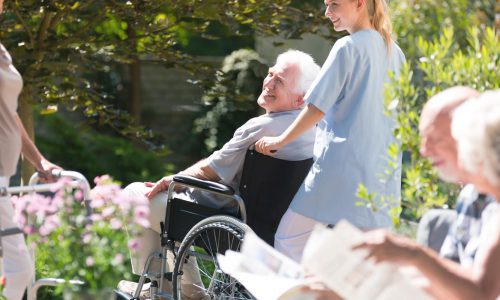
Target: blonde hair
380	19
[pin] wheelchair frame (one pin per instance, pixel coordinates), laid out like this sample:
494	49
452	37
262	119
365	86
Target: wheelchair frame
194	224
32	187
198	219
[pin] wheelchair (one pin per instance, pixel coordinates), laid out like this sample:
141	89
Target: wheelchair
79	181
197	233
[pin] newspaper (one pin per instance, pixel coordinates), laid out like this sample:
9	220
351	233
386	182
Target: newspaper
328	258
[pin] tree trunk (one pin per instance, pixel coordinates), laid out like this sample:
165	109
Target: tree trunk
135	91
25	112
135	80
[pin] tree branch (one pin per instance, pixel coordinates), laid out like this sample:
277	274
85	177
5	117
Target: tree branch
25	26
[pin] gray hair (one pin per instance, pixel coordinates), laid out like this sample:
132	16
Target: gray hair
308	69
476	128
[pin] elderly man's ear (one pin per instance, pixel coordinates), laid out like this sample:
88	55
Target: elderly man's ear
297	103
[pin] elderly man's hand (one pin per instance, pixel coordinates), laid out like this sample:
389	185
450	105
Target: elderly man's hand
159	186
268	145
384	246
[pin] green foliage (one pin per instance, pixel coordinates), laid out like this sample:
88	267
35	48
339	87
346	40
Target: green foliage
429	17
58	45
93	153
232	100
441	66
444	47
72	245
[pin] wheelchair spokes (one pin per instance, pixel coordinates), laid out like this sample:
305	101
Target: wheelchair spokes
197	266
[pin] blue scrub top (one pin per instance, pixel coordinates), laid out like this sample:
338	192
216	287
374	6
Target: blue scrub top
353	137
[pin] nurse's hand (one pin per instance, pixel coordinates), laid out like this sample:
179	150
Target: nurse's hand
268	145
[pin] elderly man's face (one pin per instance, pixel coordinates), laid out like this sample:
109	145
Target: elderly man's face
278	89
438	145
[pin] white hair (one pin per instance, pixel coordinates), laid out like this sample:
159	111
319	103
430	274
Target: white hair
308	69
476	128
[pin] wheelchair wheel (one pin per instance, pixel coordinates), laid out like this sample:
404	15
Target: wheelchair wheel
197	274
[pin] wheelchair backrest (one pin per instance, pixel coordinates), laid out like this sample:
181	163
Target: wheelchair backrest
267	187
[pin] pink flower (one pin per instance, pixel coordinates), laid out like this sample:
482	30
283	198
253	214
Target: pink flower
118	259
86	238
116	224
142	222
108	211
133	244
89	261
59	185
78	195
102	179
29	229
19	219
103	194
96	217
97	202
44	230
141	211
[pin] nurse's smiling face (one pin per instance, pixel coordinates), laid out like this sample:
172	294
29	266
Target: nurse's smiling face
342	14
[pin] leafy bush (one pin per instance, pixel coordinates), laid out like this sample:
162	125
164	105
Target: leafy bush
475	65
232	99
447	43
72	245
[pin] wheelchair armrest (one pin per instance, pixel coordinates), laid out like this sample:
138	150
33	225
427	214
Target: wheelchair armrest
204	184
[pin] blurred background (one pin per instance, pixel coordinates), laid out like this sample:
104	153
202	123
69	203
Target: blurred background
142	89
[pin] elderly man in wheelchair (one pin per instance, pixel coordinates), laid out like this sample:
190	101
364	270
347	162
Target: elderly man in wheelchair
221	192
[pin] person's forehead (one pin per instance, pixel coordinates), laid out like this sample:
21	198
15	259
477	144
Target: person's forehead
435	126
282	70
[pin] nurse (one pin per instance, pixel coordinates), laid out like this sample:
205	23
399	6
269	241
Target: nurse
353	134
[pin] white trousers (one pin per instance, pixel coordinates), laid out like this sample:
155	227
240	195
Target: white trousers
17	266
150	242
292	234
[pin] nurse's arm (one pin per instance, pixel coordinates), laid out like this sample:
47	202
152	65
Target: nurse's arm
308	117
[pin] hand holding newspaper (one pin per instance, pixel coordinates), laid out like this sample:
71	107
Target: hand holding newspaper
329	258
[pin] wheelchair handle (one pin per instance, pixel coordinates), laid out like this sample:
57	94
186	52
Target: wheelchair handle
68	174
210	186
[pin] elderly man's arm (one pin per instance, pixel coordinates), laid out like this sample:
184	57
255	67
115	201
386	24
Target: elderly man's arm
199	170
448	279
